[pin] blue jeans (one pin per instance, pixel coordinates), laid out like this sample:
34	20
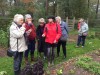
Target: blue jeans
81	40
31	48
17	62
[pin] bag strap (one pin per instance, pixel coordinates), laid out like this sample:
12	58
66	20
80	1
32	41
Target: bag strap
56	28
17	43
66	29
9	41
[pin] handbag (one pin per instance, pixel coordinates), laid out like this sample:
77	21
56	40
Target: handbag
63	37
85	34
10	53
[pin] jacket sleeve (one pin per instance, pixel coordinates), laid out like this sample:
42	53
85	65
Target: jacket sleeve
78	26
17	32
45	30
86	28
58	33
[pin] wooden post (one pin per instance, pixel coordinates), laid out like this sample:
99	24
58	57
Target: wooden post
67	19
87	21
73	22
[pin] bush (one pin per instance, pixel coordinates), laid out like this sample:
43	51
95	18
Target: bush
3	38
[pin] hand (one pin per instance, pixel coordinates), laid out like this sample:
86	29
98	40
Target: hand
29	30
29	22
55	41
43	35
23	25
27	33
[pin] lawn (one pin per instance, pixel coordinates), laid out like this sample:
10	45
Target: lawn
6	63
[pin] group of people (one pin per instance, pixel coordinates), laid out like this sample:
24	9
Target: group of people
23	36
49	36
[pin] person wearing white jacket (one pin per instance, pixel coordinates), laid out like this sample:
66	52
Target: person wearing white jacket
17	41
83	32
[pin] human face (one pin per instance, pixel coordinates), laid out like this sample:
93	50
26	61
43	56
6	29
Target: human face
82	23
50	20
29	19
41	23
58	20
20	22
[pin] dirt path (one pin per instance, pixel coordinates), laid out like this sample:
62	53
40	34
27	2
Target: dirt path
72	38
2	52
69	68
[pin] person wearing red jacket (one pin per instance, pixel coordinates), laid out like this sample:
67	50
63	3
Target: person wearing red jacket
78	26
30	36
52	33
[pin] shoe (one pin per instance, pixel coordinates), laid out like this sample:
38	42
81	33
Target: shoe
82	46
32	58
77	46
49	64
17	72
44	58
65	57
26	60
52	63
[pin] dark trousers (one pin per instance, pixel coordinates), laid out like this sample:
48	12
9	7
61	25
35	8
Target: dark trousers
81	40
50	52
42	47
63	43
31	48
17	62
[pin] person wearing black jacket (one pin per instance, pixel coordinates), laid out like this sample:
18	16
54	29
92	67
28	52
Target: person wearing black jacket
41	40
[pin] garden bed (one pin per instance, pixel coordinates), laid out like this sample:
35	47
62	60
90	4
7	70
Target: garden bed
76	67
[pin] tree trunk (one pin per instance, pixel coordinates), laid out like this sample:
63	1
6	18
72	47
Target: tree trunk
88	4
46	7
16	2
97	8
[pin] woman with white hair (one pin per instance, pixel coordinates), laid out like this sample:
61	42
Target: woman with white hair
63	39
41	40
17	41
30	35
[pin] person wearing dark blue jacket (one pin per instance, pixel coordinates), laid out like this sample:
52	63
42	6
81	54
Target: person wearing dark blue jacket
62	41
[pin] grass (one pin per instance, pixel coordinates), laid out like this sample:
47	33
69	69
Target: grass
6	63
87	63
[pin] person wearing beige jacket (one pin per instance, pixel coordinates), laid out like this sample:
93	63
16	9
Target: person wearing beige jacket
17	41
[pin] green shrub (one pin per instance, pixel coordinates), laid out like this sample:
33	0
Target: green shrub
3	38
